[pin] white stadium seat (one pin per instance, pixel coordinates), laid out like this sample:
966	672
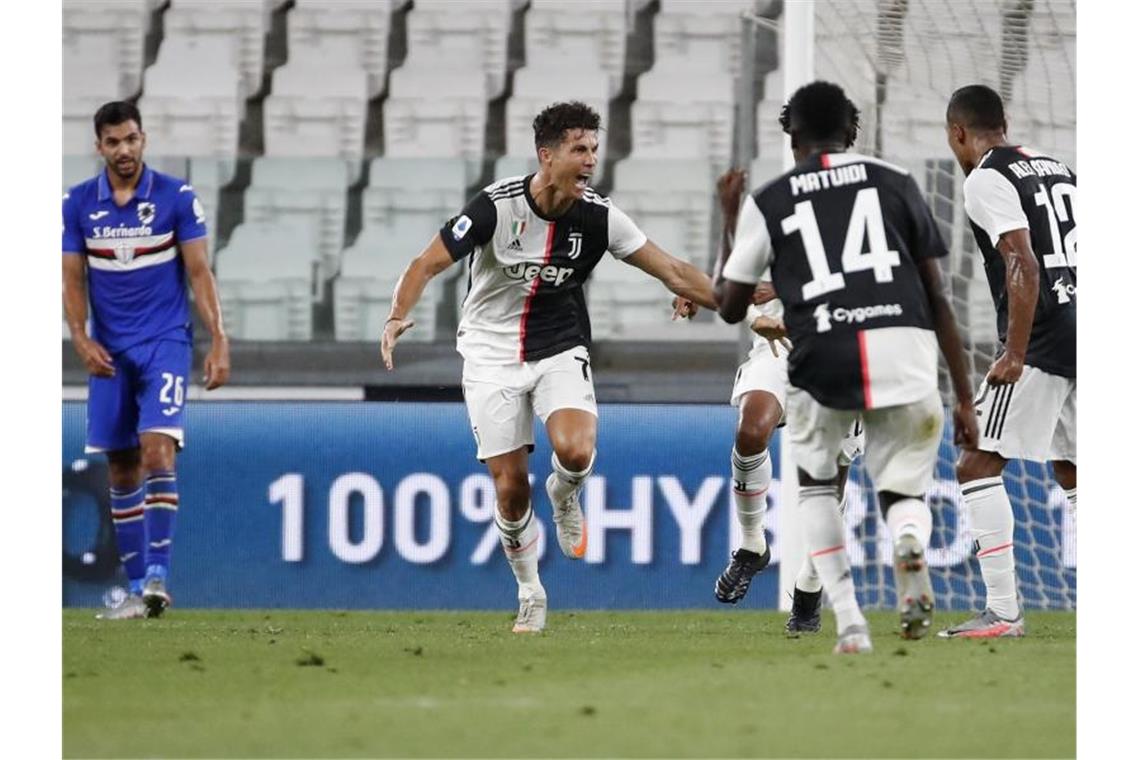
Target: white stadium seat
335	35
307	192
699	36
310	114
102	60
461	36
240	25
683	115
78	169
265	282
362	294
191	109
593	35
436	115
671	201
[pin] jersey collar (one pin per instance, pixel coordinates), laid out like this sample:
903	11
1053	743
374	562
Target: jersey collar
142	190
534	206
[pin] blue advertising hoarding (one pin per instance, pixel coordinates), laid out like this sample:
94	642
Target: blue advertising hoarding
383	505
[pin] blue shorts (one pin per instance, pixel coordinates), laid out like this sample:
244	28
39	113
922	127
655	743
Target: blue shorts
146	395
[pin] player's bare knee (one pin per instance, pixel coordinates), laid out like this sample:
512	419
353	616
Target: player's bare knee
576	457
157	453
1065	473
974	465
752	436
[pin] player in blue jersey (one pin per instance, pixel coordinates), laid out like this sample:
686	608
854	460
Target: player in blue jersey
132	237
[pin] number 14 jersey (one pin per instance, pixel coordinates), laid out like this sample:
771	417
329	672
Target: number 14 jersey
843	234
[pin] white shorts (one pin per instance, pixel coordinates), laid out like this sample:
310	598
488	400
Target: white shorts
502	400
901	441
1035	418
762	371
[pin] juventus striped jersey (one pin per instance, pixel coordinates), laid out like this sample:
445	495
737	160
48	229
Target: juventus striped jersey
136	279
843	234
1015	188
526	271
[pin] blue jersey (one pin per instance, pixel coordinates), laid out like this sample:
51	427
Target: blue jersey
136	279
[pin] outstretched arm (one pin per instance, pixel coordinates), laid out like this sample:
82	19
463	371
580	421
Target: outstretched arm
409	288
217	364
678	276
950	343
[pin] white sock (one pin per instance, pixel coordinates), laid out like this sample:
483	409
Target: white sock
991	524
566	481
910	517
808	578
824	536
520	543
1071	495
751	476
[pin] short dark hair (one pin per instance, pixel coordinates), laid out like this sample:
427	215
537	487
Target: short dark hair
550	126
115	112
976	106
821	112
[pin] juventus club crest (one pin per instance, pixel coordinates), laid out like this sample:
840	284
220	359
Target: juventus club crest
146	212
575	244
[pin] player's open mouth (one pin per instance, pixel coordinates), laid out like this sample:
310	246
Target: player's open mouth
582	181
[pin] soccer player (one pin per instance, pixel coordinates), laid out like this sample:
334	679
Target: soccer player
853	252
131	238
1022	207
760	392
531	242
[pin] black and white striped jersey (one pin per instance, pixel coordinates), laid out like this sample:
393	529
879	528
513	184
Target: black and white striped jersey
525	300
1015	188
843	234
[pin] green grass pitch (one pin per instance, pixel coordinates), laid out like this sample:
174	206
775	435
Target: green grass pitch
277	683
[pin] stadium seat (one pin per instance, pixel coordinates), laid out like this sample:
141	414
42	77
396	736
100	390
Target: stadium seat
433	114
362	294
670	201
536	87
517	166
452	35
594	33
265	282
240	25
683	115
102	60
334	35
311	114
307	192
699	36
191	109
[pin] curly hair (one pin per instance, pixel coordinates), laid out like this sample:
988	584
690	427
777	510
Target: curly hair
550	126
822	112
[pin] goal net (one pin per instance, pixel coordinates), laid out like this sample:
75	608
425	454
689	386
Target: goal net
899	60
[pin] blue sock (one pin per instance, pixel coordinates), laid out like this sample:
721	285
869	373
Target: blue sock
130	533
161	511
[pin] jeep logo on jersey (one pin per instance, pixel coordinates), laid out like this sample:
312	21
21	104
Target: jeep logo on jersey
548	273
459	229
575	244
146	212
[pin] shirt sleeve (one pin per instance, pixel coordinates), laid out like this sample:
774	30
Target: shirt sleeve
992	203
925	241
191	221
624	236
752	252
472	228
73	241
